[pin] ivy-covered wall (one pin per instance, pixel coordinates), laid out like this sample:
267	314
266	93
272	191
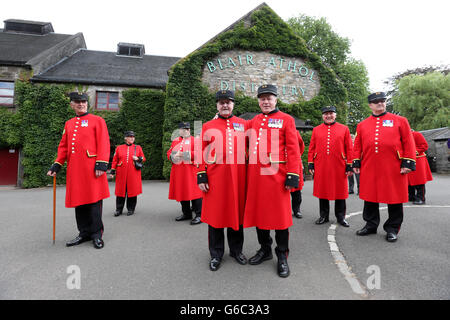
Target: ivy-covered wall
188	99
42	110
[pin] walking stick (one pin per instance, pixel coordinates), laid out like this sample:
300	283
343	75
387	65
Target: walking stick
54	208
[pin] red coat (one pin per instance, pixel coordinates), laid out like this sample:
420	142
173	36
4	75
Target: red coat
423	172
330	150
85	142
382	143
223	161
128	178
301	145
273	153
183	177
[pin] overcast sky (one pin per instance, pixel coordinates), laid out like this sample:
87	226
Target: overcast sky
389	36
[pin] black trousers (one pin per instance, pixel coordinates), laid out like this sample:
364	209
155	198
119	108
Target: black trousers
416	193
131	203
351	182
196	207
339	208
216	241
281	238
371	214
89	220
296	200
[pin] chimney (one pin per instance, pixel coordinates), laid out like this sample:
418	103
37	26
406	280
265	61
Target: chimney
28	27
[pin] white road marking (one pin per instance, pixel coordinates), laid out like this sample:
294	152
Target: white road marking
339	258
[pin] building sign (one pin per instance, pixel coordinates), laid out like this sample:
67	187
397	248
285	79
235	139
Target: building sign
245	71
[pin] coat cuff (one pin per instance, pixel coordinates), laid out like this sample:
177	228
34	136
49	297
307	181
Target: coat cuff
102	166
348	168
292	180
202	177
113	171
55	167
310	166
408	163
356	163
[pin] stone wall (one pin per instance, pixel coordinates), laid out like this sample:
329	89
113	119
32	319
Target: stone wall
246	71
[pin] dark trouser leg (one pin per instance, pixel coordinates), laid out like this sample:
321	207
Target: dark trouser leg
411	193
235	240
131	203
282	240
357	180
120	202
186	208
371	215
324	207
89	220
340	209
420	192
197	206
351	183
264	239
296	200
216	242
394	222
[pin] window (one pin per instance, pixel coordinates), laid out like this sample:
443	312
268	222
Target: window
6	94
107	100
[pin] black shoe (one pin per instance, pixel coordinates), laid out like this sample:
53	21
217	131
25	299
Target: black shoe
260	256
183	217
419	202
98	243
391	237
117	213
240	258
196	220
214	264
78	240
321	220
344	223
130	213
298	215
283	268
365	231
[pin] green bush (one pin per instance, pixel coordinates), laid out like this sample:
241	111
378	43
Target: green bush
42	110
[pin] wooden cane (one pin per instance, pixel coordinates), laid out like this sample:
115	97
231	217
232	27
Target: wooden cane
54	208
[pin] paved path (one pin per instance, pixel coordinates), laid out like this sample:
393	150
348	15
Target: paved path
150	256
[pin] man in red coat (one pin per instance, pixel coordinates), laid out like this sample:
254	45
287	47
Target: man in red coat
296	193
273	170
330	160
128	177
85	146
183	182
384	153
418	178
221	177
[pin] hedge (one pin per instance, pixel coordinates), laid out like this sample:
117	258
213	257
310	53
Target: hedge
188	99
42	110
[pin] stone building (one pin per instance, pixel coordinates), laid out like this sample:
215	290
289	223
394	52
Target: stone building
438	153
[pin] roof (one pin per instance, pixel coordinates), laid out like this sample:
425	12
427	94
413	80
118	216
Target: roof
108	68
299	124
19	48
436	134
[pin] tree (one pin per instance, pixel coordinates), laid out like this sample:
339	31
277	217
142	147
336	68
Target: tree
335	52
424	100
392	82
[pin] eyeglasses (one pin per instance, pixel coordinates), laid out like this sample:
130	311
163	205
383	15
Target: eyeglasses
378	101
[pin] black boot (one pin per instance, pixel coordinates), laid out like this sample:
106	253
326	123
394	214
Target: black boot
282	266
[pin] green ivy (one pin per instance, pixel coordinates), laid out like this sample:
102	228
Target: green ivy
188	99
42	111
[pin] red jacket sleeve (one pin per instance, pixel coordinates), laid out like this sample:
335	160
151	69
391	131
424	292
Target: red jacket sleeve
62	148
